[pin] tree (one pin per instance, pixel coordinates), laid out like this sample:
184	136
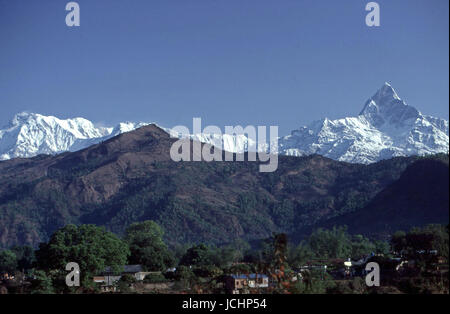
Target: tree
198	255
209	271
25	257
147	247
263	254
334	243
41	284
398	241
439	239
125	282
382	247
185	276
92	247
240	269
225	256
155	278
428	238
300	255
361	246
179	249
277	263
241	247
8	261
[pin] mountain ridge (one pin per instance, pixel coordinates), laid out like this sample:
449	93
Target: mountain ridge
423	184
31	134
131	177
386	127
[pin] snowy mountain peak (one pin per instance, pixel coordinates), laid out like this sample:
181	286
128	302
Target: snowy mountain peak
30	134
385	128
386	91
123	127
22	117
386	107
385	98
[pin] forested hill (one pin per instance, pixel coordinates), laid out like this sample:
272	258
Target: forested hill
419	195
131	178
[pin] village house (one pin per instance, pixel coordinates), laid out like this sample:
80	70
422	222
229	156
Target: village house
108	277
6	276
239	284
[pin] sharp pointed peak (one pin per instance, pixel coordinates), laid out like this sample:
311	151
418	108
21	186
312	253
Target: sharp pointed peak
385	95
386	90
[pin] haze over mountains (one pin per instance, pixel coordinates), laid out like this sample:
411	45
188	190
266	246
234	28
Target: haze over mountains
386	127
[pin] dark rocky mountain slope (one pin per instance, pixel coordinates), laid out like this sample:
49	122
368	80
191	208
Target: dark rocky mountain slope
131	178
420	195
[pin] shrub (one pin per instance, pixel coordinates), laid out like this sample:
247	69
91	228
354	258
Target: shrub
155	278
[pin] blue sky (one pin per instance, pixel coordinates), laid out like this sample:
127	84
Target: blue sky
230	62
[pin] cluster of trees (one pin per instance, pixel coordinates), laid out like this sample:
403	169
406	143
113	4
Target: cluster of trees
422	240
94	249
335	243
147	247
422	247
17	258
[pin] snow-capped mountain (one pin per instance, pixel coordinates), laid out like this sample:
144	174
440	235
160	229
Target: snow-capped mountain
385	128
31	134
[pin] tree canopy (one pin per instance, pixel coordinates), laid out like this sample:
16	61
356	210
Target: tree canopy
8	261
428	238
25	257
145	240
92	247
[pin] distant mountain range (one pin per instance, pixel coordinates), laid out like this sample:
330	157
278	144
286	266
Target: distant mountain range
32	134
131	177
386	127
